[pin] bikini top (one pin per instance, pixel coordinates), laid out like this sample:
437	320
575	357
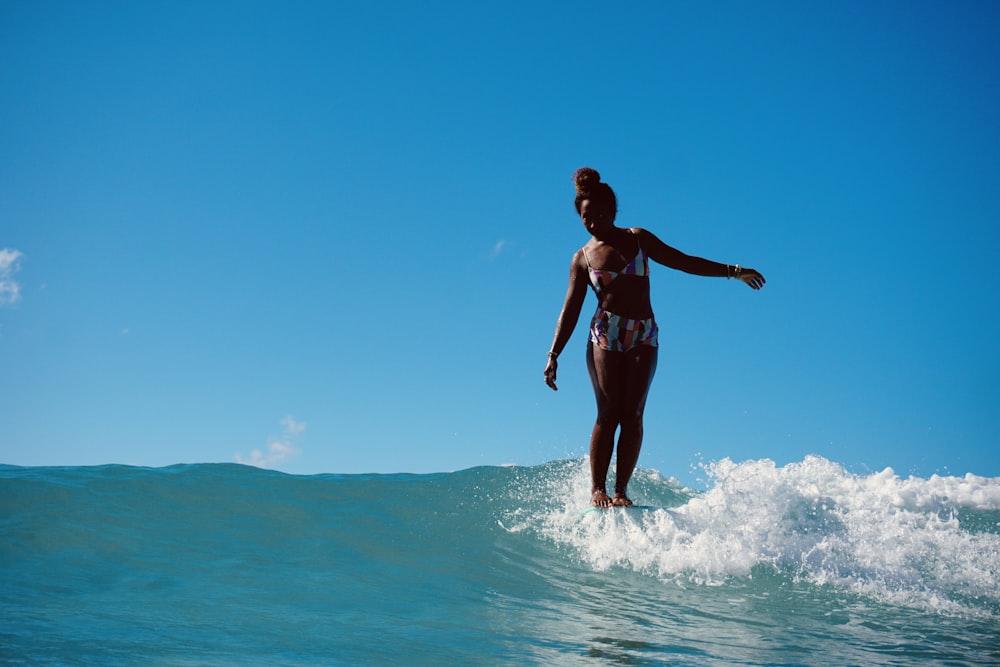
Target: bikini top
602	279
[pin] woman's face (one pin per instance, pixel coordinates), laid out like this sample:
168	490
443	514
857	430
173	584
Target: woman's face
597	218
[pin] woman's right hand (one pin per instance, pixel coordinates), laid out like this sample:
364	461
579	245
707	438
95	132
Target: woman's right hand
550	373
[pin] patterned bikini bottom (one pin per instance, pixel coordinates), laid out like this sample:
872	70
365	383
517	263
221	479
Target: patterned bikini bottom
620	334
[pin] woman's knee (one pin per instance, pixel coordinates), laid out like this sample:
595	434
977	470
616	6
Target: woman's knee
631	419
608	416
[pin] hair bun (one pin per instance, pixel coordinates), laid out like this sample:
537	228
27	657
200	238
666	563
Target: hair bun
585	180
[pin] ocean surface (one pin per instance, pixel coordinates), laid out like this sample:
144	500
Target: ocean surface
222	564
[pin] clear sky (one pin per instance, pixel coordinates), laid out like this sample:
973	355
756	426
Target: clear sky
335	237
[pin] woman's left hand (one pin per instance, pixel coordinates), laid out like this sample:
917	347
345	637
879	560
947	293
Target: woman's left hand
752	277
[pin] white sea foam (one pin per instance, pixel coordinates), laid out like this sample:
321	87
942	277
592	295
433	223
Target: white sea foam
924	542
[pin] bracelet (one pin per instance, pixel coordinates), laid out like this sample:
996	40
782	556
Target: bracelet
553	355
733	271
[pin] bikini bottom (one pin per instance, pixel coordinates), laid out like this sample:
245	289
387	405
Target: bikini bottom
620	334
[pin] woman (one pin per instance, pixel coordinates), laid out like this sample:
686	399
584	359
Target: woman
622	342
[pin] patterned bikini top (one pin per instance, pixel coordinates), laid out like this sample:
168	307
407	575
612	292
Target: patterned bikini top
601	279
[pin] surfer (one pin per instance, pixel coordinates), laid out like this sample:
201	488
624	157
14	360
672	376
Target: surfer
622	340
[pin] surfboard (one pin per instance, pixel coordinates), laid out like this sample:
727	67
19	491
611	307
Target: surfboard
623	508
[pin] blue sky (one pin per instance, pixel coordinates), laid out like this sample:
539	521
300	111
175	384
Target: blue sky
332	237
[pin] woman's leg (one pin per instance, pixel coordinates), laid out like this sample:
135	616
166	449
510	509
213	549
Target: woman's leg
606	376
638	368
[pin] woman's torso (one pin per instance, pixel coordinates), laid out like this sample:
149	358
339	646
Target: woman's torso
619	275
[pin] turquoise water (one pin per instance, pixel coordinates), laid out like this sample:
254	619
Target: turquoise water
219	564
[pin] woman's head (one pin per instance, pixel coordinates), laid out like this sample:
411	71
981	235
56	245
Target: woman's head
599	197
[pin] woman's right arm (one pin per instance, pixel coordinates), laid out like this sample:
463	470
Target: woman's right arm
575	294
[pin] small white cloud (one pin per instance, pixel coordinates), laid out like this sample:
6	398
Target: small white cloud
276	453
292	427
10	289
279	449
498	247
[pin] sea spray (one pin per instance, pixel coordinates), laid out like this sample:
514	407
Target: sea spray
896	540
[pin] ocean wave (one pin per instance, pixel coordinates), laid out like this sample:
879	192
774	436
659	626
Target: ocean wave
229	564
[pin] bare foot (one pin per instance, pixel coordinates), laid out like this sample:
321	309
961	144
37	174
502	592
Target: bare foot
621	500
600	499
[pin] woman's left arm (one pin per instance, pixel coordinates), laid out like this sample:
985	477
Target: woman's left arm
661	253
